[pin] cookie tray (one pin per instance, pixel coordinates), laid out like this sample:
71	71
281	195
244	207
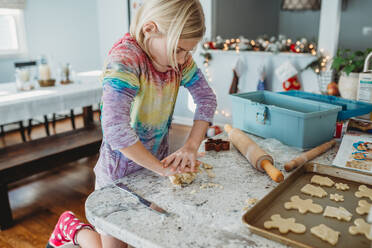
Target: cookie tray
273	203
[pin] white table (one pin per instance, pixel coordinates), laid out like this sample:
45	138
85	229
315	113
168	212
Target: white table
22	105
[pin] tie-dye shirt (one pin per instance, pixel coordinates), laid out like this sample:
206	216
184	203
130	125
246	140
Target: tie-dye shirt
138	103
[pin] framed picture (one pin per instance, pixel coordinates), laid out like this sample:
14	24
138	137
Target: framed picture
133	6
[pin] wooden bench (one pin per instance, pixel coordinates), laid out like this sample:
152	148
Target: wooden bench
26	159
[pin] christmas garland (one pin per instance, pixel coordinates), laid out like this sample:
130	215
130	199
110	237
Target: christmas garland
273	44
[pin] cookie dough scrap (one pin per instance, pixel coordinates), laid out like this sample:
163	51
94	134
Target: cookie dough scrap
322	181
284	225
363	207
207	166
211	185
336	197
361	227
303	206
249	202
325	233
339	213
364	191
314	191
210	173
342	186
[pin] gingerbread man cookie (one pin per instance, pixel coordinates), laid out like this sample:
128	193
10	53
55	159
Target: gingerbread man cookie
361	227
342	186
314	191
284	225
325	233
336	197
339	213
364	191
363	207
303	206
322	181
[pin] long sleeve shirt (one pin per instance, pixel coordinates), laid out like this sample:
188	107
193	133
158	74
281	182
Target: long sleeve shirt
138	103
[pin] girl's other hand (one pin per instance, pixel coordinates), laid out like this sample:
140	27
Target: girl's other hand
182	160
168	171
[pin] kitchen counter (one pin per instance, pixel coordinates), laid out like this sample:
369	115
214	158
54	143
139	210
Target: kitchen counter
201	216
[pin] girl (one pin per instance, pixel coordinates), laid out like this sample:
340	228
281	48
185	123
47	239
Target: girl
141	78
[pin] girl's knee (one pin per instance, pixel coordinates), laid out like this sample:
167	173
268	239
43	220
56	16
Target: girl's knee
111	242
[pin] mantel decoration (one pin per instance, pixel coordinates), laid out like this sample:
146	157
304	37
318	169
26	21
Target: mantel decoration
265	44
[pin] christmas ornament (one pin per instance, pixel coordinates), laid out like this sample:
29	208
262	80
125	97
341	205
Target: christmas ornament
332	89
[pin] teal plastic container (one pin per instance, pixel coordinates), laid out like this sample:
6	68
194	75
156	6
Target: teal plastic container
294	121
350	108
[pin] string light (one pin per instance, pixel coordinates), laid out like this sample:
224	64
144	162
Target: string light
223	113
207	73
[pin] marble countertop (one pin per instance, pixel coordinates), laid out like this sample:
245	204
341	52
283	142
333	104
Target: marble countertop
200	217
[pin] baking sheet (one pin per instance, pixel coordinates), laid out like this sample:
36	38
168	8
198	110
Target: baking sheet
273	203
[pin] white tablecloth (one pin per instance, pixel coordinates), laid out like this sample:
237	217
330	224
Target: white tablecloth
22	105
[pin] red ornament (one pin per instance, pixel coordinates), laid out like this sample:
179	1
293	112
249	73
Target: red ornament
211	45
292	47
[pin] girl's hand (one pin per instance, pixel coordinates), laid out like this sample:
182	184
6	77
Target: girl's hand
183	160
168	171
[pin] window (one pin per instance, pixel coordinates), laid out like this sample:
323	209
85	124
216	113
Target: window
12	33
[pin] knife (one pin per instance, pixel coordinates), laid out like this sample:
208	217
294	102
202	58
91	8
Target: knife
142	200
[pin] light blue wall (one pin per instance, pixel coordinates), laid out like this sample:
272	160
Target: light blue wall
65	31
112	24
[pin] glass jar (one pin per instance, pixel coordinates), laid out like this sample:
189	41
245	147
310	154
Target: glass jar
66	74
25	74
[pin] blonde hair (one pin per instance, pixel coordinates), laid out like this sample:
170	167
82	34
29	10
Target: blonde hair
177	19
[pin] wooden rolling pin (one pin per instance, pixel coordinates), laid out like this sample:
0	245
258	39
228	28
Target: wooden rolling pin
255	155
309	155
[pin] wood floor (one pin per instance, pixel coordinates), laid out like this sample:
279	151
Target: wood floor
38	201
